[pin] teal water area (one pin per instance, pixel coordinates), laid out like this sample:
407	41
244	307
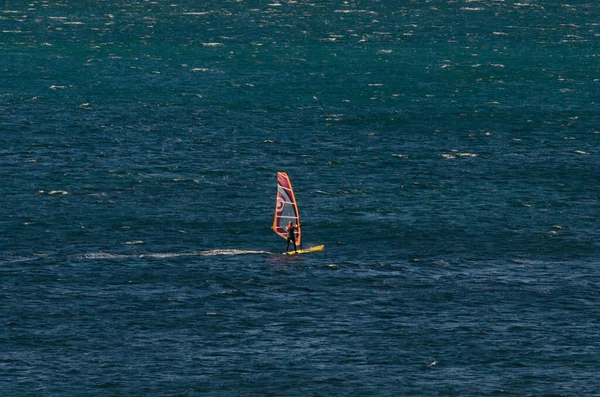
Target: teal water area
444	152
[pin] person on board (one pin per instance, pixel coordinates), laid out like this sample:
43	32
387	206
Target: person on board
291	236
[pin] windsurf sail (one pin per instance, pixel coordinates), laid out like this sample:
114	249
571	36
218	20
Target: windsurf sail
286	208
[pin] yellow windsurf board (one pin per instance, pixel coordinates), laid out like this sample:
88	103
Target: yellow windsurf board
306	250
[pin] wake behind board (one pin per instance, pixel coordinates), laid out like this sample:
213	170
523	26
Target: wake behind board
306	250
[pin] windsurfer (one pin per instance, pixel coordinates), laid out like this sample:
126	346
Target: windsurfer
291	235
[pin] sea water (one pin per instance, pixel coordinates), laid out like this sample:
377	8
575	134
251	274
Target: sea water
445	152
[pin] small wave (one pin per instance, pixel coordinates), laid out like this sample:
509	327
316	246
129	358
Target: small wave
18	259
523	261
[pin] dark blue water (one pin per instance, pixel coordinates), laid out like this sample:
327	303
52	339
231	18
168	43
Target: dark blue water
446	154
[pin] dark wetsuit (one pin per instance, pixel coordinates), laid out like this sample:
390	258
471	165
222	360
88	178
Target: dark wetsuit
291	237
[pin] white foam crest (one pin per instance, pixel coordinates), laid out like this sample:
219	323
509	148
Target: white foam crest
104	255
231	252
528	5
369	12
53	192
456	153
205	70
197	13
166	255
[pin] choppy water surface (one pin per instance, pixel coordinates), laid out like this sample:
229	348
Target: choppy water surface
444	152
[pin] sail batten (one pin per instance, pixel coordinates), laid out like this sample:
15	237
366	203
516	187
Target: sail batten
286	208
